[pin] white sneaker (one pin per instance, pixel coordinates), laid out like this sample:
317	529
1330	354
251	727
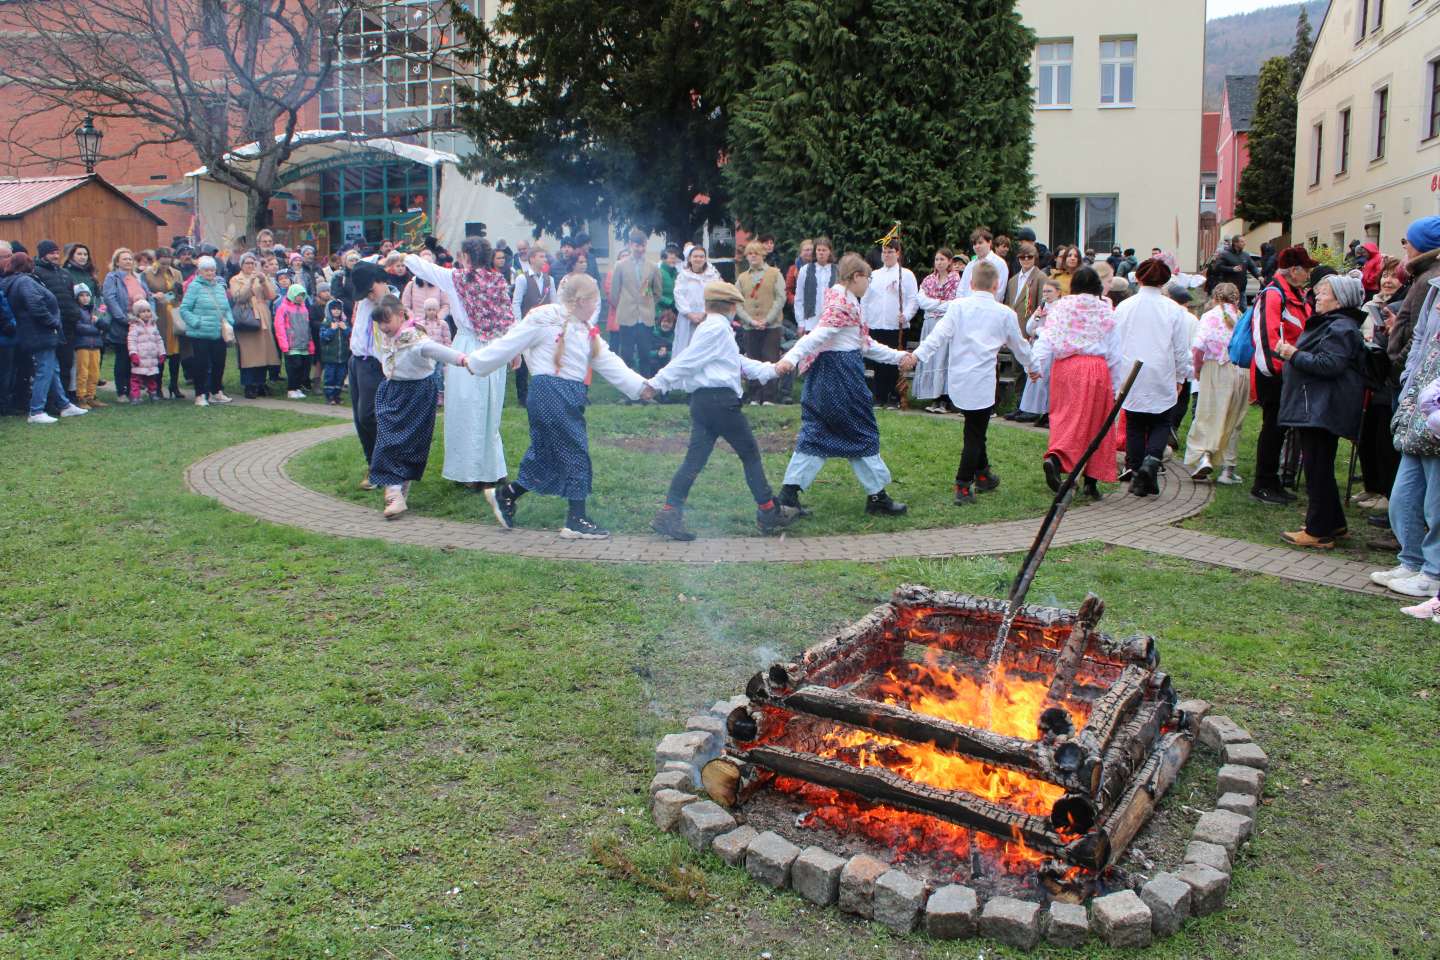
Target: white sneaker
201	402
1427	610
1387	577
1418	585
295	395
1203	469
219	397
73	411
767	403
1229	477
41	417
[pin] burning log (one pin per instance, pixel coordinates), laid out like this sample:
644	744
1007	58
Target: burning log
1027	756
868	640
1113	709
730	782
1070	655
1131	748
883	786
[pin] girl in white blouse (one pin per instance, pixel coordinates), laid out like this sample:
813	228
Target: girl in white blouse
690	295
561	347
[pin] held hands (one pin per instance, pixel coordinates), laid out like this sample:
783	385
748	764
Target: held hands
1034	376
647	392
515	363
783	367
907	363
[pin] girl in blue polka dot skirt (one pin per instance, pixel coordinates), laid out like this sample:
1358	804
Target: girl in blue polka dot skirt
405	401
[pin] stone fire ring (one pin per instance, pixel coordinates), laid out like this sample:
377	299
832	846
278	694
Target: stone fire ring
872	890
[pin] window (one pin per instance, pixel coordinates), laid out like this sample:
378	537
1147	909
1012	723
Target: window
1342	161
1432	129
1382	121
1207	192
212	23
1055	59
1084	221
1317	152
1369	15
1117	73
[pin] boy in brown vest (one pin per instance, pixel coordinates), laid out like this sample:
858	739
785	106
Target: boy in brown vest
763	288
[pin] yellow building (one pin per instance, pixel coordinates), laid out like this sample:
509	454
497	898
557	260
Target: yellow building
1368	140
1118	105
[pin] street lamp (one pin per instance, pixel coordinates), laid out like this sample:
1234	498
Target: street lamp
88	137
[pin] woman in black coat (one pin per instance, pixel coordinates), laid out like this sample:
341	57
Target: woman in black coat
38	332
1322	400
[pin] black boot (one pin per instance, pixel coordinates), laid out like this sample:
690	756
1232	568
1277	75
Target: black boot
1092	490
249	392
1054	472
986	481
790	497
670	522
1145	483
777	518
880	504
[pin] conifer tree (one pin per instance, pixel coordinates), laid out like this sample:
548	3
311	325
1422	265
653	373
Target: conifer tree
1266	189
849	115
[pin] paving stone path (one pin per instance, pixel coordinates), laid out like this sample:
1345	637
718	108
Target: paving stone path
250	478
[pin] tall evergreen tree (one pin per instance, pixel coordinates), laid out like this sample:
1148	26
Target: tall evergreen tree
591	110
1266	189
849	115
1300	52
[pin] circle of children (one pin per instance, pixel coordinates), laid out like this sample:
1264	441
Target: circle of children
1325	355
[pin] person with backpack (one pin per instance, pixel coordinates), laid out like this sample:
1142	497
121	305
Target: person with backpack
1278	316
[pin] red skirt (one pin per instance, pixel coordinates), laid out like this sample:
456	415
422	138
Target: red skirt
1080	400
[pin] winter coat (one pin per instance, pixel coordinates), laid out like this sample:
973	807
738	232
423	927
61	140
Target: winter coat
204	308
160	283
147	348
1414	317
117	307
59	282
292	328
8	326
1325	378
88	335
37	313
335	343
86	277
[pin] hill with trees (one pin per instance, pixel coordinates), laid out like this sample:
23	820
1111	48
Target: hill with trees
1241	43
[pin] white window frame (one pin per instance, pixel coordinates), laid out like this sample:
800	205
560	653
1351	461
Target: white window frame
1344	135
1369	18
1118	62
1430	98
1317	151
1213	191
1380	121
1050	85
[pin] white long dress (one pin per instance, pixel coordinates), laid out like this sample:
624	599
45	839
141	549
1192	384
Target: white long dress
474	452
689	298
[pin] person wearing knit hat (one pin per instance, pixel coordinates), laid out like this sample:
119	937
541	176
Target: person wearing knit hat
1415	355
45	248
1279	316
1155	330
712	369
1322	400
292	334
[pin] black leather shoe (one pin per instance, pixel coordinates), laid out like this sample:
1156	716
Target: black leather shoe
1053	473
1092	490
790	497
1270	496
880	504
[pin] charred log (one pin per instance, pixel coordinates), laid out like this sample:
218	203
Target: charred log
1091	610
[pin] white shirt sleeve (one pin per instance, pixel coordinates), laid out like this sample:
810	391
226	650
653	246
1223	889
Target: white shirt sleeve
1042	353
497	353
690	360
1115	358
438	352
940	334
926	302
909	290
1180	346
612	368
813	342
879	352
757	369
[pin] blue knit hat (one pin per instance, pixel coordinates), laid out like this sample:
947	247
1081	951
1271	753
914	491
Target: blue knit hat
1424	234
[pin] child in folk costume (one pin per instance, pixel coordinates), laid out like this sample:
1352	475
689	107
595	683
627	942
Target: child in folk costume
1154	329
292	335
763	287
404	403
1224	391
1080	348
480	305
936	292
975	327
146	346
711	369
334	350
560	347
1034	404
837	418
438	330
812	280
690	293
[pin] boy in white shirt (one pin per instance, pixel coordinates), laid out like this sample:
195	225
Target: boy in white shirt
980	242
889	304
975	328
711	368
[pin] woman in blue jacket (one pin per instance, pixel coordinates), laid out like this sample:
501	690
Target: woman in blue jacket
37	316
206	312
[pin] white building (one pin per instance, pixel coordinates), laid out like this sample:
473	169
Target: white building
1368	139
1119	97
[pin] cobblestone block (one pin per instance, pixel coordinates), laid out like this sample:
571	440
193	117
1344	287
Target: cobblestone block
815	875
1246	755
731	846
952	913
1067	925
1234	778
1210	854
1222	827
1241	803
1122	920
1208	887
1168	898
702	822
689	747
1216	732
857	884
899	898
769	858
667	805
1015	923
669	780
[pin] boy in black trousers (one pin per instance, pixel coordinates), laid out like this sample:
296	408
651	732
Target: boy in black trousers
710	368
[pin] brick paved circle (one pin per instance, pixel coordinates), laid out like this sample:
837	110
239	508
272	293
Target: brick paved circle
250	478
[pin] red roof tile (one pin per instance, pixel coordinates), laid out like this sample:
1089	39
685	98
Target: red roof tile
18	197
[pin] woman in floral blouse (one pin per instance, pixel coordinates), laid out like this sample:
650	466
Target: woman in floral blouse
936	292
1224	391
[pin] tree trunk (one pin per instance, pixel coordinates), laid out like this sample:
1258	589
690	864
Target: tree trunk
257	211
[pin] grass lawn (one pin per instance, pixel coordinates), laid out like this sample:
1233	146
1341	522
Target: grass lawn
636	450
221	738
1234	514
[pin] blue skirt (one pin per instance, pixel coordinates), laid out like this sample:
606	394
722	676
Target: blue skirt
558	461
404	428
836	416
